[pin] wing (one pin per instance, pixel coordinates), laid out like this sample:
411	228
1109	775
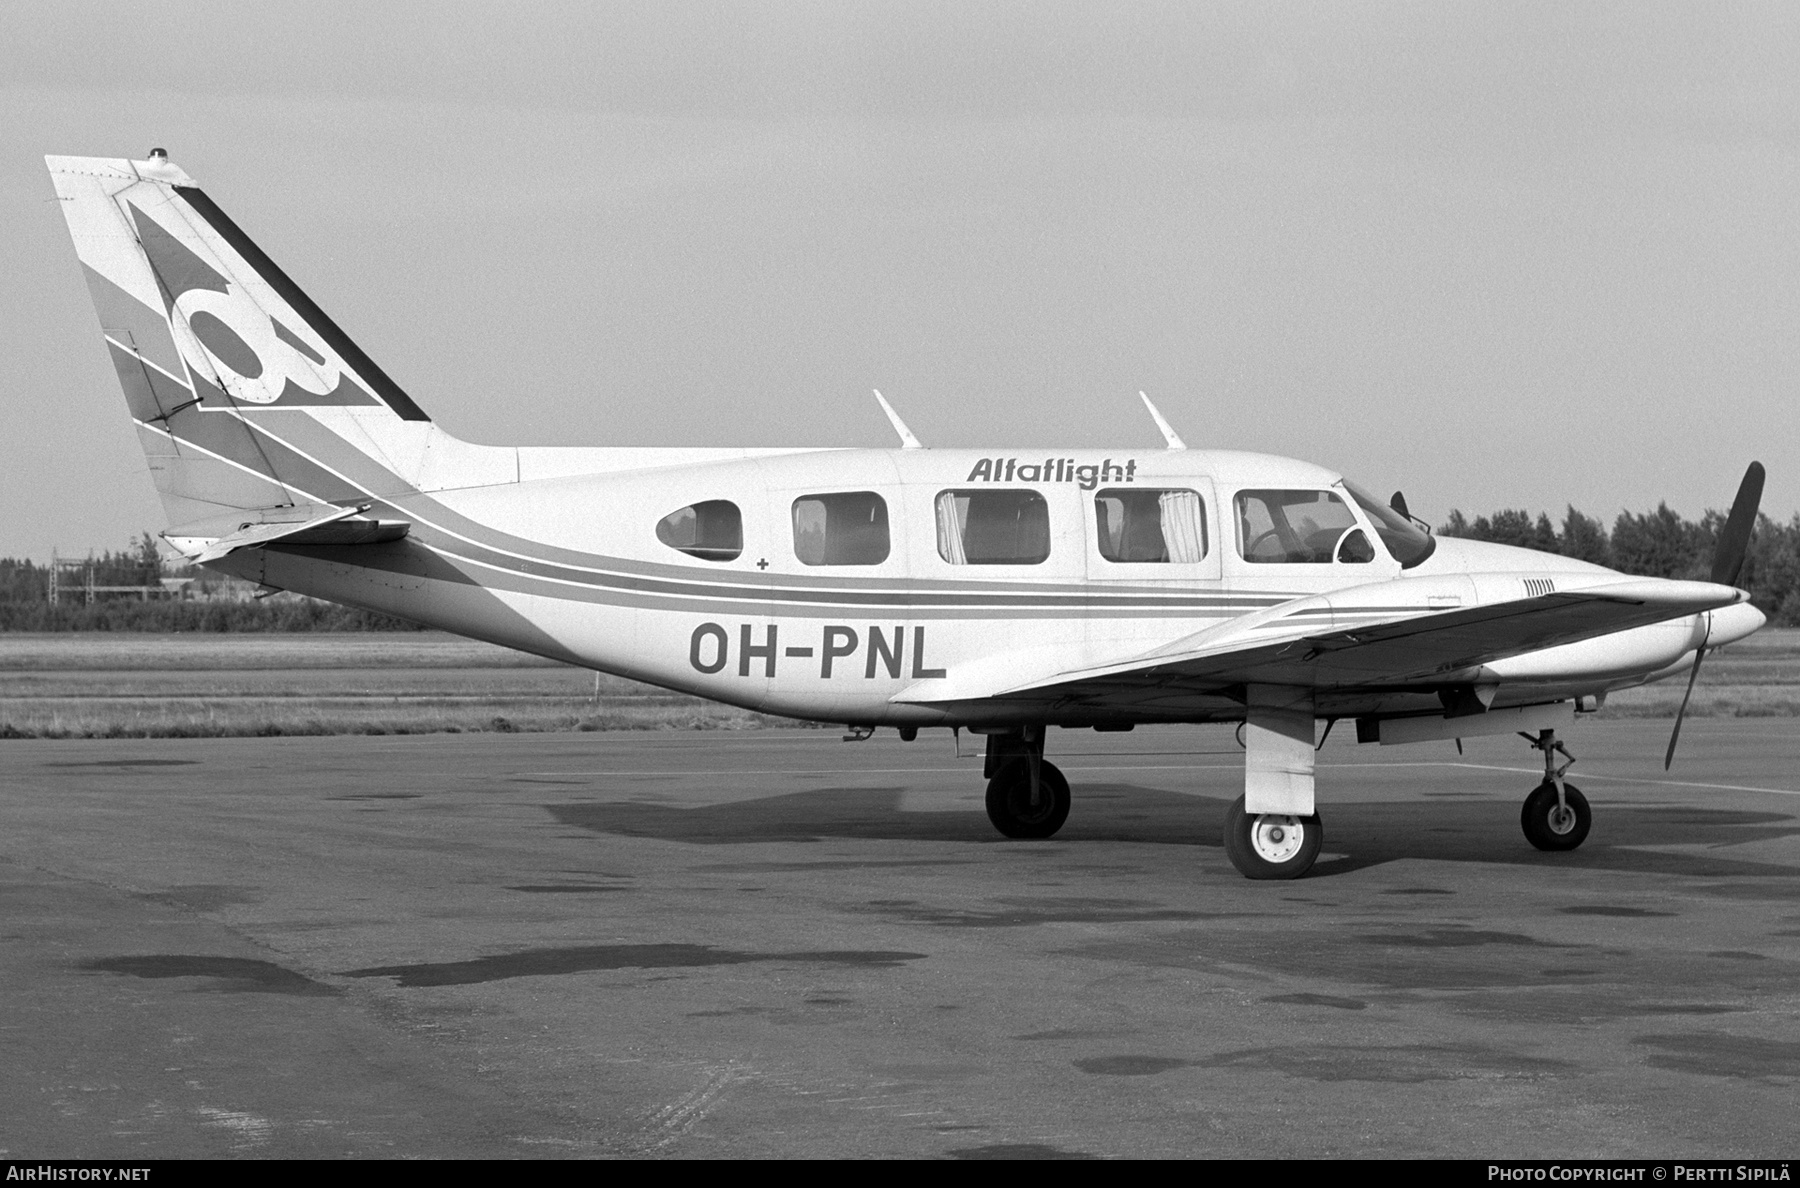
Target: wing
1405	634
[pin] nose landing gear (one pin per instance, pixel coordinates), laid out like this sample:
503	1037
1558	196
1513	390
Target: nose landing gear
1556	815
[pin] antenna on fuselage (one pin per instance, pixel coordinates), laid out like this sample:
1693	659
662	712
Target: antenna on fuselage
1162	422
907	440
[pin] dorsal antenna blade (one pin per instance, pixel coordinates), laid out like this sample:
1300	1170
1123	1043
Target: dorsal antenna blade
1162	422
907	440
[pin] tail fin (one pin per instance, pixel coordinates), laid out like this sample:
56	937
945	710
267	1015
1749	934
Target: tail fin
251	403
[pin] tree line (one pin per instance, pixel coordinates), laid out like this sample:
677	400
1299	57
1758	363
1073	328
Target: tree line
25	600
1659	544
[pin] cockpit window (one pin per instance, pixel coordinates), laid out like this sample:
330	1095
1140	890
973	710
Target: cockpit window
1137	524
1408	543
984	527
842	528
711	531
1355	549
1293	527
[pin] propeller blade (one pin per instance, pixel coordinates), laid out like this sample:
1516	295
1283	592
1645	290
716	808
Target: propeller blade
1727	568
1734	540
1675	735
1398	503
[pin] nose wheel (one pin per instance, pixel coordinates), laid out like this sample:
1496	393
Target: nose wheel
1556	815
1553	825
1271	846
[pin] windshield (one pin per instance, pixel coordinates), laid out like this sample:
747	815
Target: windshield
1408	543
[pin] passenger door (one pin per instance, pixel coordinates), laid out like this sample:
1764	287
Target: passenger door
1153	561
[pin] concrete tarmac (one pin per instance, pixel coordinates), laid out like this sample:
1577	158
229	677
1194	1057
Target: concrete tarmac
777	944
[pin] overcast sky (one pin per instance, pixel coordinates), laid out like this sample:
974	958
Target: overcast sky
1496	255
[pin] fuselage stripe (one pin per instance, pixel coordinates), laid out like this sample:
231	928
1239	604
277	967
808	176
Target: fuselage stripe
1140	599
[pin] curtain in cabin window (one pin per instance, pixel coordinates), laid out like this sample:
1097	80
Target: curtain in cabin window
950	528
1182	531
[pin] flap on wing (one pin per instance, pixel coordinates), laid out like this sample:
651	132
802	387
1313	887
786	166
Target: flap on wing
340	526
984	677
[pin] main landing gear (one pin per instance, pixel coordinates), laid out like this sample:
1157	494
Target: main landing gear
1270	845
1027	797
1556	815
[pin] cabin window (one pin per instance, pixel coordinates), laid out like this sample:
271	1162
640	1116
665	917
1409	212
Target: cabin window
843	528
993	527
711	531
1296	527
1144	524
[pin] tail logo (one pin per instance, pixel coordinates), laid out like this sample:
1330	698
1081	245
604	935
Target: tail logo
254	357
226	337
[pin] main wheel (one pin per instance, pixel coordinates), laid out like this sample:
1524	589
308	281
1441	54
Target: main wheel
1009	804
1271	846
1550	827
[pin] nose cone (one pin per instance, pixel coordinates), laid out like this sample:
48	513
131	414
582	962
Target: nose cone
1732	623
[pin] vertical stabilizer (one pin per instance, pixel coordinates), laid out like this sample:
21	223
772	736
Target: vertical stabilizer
251	403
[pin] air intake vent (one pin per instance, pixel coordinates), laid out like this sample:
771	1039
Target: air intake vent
1538	587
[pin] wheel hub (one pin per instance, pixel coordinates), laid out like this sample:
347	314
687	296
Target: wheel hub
1277	839
1022	807
1561	819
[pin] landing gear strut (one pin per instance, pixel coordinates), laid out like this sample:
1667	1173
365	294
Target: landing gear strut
1282	836
1027	797
1556	815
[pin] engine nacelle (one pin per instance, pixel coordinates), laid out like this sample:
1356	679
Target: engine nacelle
1623	653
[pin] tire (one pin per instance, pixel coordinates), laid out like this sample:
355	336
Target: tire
1265	847
1009	804
1538	818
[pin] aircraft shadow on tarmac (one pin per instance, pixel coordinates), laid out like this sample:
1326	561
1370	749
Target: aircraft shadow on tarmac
1625	837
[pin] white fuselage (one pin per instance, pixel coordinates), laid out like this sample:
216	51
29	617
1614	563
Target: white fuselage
572	567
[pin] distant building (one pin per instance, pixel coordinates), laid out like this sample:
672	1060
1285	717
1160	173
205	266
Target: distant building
89	579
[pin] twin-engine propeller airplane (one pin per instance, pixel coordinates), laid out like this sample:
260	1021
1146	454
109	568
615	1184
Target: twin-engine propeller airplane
1002	592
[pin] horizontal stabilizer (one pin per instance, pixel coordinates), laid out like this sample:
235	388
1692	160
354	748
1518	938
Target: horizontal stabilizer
343	526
